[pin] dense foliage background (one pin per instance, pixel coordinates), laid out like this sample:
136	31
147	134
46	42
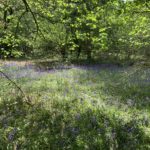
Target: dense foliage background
73	29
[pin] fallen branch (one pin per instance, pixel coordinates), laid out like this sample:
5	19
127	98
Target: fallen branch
28	101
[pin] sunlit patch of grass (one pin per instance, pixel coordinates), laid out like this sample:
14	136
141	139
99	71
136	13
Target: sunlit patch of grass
114	86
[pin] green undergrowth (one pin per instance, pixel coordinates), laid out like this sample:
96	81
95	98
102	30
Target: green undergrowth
73	124
98	108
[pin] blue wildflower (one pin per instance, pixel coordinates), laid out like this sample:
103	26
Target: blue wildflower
75	130
12	134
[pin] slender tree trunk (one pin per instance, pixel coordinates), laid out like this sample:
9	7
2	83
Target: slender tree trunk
78	52
63	53
89	55
89	50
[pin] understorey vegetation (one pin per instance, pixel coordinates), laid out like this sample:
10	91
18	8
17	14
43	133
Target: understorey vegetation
117	30
81	107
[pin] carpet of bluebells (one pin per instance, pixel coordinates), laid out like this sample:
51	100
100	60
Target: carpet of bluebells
84	107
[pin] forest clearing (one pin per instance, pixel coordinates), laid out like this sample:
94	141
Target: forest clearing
74	75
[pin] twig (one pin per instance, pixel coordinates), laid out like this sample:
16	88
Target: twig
28	101
32	13
28	9
19	19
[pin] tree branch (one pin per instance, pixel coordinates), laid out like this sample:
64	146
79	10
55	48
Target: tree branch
19	19
30	10
28	101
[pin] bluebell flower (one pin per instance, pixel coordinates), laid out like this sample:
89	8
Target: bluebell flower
130	129
12	134
78	116
75	130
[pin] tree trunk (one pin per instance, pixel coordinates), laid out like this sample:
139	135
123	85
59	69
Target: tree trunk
78	52
89	50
